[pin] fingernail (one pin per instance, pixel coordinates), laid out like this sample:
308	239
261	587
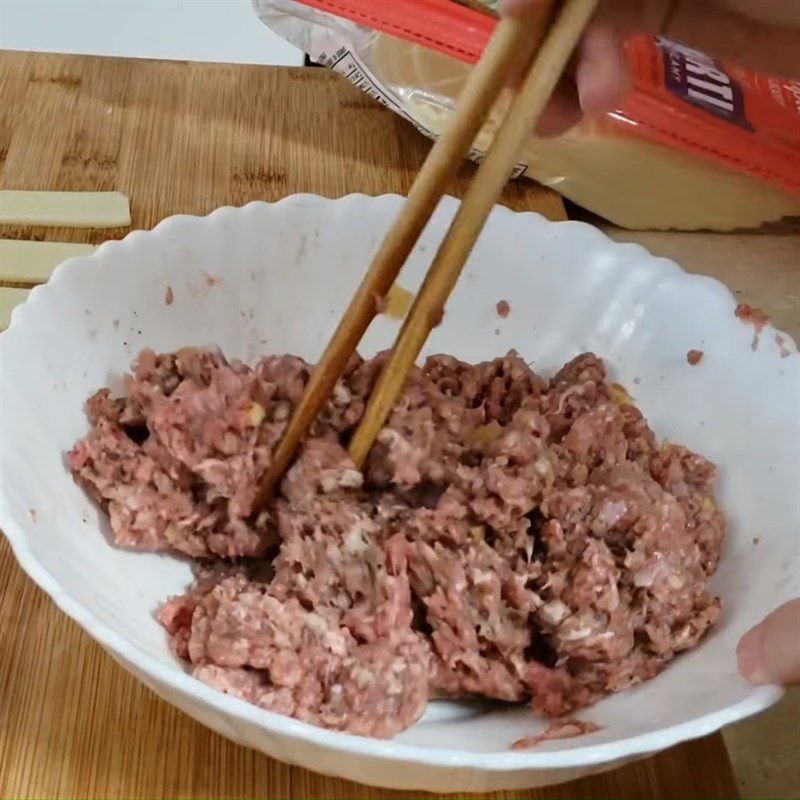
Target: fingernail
748	654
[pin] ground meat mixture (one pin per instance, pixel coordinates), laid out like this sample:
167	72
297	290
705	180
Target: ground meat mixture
753	316
694	357
511	537
557	729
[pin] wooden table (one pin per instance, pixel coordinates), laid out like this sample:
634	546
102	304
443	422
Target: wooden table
186	138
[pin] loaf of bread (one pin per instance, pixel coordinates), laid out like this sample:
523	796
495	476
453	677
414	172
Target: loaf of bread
623	177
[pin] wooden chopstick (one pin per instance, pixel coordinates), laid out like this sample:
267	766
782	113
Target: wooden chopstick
514	40
484	191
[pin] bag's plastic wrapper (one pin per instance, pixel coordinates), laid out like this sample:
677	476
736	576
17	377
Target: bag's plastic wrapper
696	144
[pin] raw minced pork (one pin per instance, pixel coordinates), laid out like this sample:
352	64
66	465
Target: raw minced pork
511	537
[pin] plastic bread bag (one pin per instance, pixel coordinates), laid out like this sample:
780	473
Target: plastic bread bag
696	144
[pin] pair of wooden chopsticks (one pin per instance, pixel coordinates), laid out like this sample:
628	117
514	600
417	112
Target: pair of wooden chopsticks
513	42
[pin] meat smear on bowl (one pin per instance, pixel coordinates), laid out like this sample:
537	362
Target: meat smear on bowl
511	537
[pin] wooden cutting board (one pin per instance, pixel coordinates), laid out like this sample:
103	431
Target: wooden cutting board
186	138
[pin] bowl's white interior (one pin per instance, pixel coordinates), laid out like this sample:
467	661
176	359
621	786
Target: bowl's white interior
275	278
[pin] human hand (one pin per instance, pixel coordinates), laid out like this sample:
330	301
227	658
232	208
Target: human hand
770	652
762	35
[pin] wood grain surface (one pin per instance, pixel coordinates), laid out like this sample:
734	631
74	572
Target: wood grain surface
186	138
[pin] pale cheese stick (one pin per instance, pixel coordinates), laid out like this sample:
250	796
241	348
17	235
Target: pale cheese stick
34	262
68	209
9	300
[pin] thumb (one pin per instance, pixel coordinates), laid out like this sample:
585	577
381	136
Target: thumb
770	652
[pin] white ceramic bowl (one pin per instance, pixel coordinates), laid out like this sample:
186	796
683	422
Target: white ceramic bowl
283	273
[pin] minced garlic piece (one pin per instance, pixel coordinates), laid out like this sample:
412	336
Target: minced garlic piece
619	394
486	434
256	414
397	302
477	533
708	505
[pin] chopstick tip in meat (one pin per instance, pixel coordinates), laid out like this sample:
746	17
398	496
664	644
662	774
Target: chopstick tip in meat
514	40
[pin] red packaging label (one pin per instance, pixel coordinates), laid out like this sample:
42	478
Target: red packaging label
702	82
685	99
680	97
